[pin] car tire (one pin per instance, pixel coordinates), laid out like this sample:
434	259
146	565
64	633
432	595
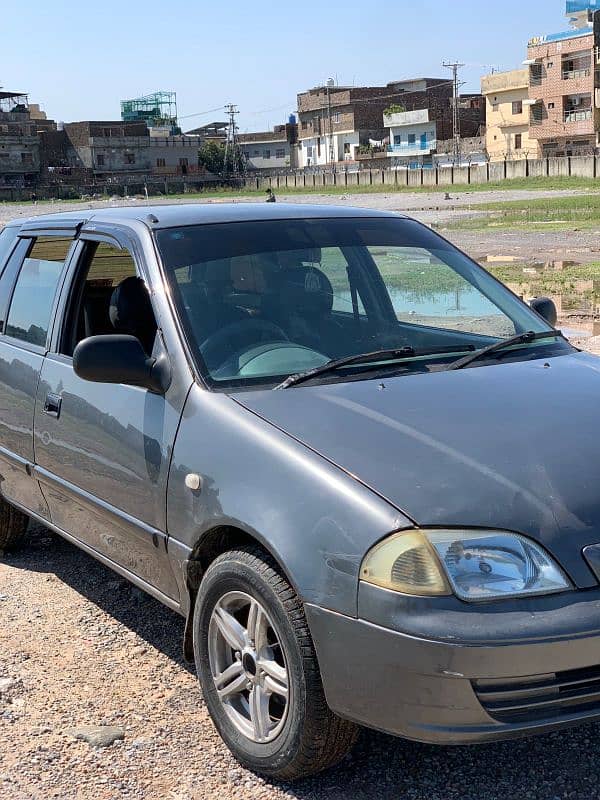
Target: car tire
280	727
13	526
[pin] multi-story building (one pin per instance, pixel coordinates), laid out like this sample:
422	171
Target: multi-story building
112	149
423	117
336	123
271	150
19	140
400	122
564	83
507	116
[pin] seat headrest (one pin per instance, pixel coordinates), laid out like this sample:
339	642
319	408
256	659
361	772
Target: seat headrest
294	259
304	290
130	309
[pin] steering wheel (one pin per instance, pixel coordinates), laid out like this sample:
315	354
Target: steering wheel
238	336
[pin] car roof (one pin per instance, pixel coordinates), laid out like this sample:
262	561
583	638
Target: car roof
176	215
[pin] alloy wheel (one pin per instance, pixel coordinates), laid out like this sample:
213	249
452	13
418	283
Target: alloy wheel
249	666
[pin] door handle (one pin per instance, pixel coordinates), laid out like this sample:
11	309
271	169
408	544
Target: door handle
52	405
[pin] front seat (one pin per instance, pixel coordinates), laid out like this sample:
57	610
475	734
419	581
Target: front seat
301	303
206	301
130	311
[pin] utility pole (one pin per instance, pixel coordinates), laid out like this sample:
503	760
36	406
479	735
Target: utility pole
232	149
456	84
330	84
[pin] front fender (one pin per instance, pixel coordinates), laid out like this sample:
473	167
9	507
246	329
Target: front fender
316	520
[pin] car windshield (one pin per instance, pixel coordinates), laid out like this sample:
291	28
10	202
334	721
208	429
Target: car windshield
260	301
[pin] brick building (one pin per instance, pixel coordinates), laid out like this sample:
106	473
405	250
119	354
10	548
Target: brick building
338	124
104	150
563	84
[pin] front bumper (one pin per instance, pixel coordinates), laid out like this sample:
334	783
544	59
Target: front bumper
492	673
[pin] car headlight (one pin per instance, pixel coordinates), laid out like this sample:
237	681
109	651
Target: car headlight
475	565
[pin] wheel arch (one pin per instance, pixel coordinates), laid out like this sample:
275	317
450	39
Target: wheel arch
208	547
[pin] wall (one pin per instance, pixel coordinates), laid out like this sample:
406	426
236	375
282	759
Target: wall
580	166
257	154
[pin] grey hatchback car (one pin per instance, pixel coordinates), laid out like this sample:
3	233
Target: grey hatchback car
359	466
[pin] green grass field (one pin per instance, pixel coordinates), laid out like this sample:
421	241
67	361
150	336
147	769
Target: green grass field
581	210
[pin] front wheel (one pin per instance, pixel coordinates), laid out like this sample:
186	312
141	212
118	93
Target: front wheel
259	672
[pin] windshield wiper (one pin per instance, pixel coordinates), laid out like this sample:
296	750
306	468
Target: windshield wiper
367	358
520	338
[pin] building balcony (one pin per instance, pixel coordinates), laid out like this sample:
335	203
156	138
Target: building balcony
577	115
422	147
574	74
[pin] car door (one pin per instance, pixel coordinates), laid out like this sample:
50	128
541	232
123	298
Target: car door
102	451
28	288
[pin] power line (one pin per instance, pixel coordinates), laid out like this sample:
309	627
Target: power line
203	113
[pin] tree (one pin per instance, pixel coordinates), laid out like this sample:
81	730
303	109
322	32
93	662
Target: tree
211	155
394	108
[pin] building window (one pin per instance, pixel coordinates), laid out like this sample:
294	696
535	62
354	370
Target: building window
160	162
494	106
412	138
518	141
256	153
267	154
309	151
549	65
517	107
27	158
397	138
280	153
130	158
550	105
319	147
335	117
183	162
346	148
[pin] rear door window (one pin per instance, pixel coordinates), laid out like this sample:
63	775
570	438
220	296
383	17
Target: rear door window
31	306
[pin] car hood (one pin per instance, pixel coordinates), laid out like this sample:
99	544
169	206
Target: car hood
514	446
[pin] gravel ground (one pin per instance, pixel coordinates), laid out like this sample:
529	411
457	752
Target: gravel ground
392	201
81	647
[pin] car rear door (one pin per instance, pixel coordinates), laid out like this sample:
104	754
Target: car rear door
103	451
29	285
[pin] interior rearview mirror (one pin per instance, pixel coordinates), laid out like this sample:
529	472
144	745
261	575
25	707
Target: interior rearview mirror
545	308
118	358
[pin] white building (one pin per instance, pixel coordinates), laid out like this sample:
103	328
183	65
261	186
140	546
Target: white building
271	150
412	137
